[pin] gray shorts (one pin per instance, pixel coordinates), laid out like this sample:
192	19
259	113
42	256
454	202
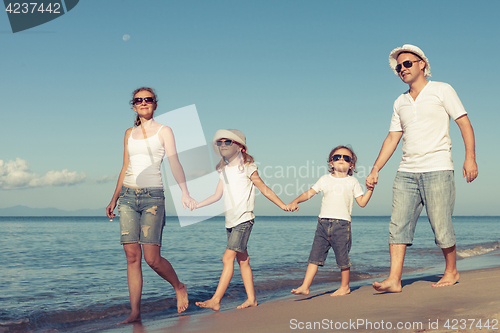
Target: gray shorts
411	192
237	237
335	234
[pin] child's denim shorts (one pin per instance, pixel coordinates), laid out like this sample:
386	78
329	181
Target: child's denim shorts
332	233
142	215
237	237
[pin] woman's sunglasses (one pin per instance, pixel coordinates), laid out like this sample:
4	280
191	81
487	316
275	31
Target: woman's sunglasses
138	100
226	142
407	64
337	157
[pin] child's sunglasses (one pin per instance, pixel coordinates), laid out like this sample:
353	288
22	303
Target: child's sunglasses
337	157
407	64
226	142
138	100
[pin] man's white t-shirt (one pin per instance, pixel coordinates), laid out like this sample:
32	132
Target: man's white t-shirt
338	196
425	123
238	194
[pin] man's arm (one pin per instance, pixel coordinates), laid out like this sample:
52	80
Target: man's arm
470	167
388	148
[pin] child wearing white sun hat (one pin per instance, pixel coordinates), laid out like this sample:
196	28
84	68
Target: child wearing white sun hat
237	181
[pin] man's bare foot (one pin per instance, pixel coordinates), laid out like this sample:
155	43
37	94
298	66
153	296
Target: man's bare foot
448	279
300	291
387	285
341	291
248	303
133	318
182	298
210	304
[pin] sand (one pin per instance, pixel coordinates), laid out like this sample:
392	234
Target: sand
418	308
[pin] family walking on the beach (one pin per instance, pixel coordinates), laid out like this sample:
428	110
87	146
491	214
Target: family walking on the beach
425	178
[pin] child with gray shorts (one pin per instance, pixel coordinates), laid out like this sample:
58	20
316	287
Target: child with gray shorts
237	181
334	222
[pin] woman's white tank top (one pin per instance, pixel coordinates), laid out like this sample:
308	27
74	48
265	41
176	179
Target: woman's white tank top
144	163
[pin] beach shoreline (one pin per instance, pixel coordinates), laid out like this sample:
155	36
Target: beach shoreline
418	308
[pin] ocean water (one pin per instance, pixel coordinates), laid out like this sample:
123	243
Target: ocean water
68	274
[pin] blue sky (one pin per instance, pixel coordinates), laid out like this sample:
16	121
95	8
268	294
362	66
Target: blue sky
297	77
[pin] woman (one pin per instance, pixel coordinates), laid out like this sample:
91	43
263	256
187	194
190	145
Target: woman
141	203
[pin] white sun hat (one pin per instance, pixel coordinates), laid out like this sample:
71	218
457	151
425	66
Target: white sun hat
393	57
231	134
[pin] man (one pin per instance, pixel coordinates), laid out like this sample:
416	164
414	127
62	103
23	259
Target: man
425	175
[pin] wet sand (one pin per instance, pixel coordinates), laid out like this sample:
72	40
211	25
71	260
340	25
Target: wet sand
418	308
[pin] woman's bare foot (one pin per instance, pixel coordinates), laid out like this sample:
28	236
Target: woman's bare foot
210	304
448	279
182	298
341	291
387	285
133	318
248	303
300	291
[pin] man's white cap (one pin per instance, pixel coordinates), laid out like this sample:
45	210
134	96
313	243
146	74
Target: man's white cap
393	57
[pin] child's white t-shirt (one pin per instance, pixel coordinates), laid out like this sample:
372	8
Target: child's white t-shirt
240	187
338	196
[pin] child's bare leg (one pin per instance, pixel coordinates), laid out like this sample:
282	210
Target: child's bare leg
344	284
247	277
311	271
225	278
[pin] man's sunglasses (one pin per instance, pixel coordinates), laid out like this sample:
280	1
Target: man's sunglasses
138	100
226	142
407	64
337	157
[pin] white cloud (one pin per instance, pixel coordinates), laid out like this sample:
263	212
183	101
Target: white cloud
106	179
17	174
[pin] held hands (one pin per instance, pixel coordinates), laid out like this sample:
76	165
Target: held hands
188	202
372	179
291	207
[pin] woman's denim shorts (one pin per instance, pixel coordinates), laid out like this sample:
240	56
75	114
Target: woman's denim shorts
142	215
237	237
334	233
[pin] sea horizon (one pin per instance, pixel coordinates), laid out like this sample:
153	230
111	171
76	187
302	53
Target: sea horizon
66	273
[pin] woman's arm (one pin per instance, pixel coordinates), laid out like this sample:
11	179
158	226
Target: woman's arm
167	137
119	184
